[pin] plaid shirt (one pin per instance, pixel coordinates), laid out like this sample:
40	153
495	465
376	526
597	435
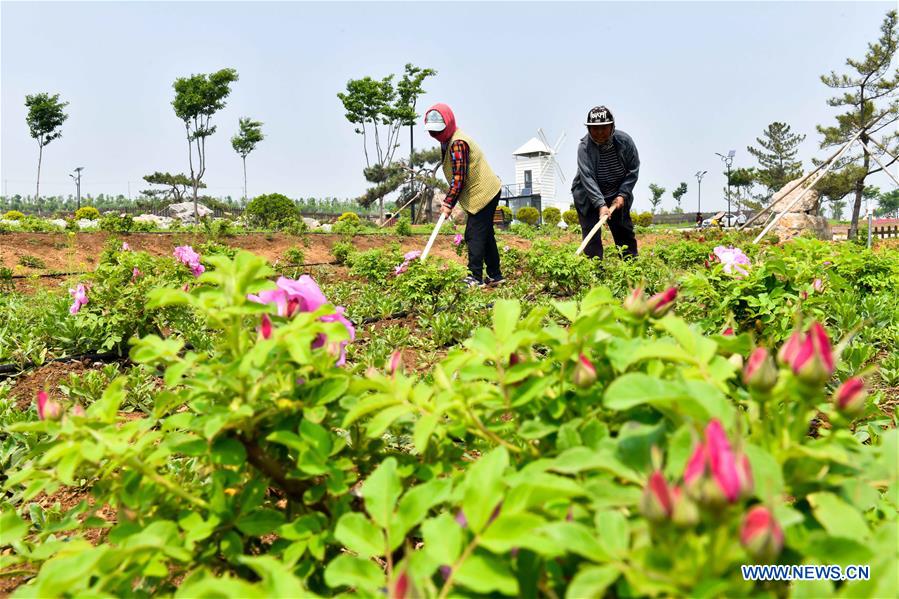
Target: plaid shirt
459	157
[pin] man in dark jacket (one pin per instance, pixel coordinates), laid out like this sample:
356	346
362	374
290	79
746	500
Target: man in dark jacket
607	169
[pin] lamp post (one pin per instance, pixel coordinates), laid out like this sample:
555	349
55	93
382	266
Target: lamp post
728	160
77	178
699	176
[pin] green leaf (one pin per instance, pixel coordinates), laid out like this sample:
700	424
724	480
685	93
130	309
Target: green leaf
694	342
838	518
487	573
416	502
580	459
505	317
766	473
577	538
591	581
105	408
228	452
483	487
421	434
12	527
359	535
512	530
260	522
696	399
443	538
277	578
346	570
381	491
614	532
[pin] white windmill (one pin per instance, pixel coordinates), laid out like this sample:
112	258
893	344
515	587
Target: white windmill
536	169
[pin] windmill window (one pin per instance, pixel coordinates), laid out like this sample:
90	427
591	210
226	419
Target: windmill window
527	179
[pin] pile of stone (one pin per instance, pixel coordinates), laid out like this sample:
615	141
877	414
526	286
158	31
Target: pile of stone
803	216
163	222
184	211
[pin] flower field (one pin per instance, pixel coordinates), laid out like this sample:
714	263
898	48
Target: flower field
248	427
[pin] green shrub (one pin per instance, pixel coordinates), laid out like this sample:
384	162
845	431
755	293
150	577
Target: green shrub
88	212
570	218
403	227
551	216
117	224
342	250
507	213
528	215
29	261
348	217
271	211
294	256
13	215
643	219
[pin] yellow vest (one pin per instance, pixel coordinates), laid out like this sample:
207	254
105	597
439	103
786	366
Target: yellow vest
481	184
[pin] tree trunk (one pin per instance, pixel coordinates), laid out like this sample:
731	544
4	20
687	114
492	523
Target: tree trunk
857	205
381	209
245	179
37	189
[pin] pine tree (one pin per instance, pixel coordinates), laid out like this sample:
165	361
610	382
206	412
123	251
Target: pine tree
777	156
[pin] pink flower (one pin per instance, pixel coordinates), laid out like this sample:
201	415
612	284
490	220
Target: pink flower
46	408
761	535
656	501
636	304
125	246
728	332
265	327
409	256
77	410
457	239
814	362
135	273
713	474
304	295
850	397
661	303
401	587
584	372
396	361
733	259
401	268
788	350
818	285
760	372
79	294
187	256
683	510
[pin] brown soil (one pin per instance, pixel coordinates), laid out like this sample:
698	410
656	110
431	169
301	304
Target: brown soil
45	378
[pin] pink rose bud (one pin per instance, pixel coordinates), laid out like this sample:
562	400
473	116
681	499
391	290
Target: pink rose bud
265	327
684	512
655	504
760	373
635	303
803	294
396	362
744	475
77	410
728	332
790	349
514	359
850	397
135	273
401	587
814	362
818	285
661	303
760	534
457	239
125	246
712	474
47	409
584	372
461	520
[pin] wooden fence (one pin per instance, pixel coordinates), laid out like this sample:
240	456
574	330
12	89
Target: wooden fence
885	231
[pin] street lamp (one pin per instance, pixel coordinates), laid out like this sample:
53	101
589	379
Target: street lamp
728	160
77	179
699	175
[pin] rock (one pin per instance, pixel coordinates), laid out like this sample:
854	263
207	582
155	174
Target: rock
163	222
562	224
326	228
808	204
86	223
311	223
184	211
793	224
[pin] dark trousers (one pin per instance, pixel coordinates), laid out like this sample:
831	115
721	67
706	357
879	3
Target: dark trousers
481	241
622	231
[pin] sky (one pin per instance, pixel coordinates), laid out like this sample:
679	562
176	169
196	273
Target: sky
685	80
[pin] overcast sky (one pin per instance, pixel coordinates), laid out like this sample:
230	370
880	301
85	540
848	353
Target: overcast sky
686	80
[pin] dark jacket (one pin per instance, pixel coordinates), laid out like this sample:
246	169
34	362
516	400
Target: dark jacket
585	189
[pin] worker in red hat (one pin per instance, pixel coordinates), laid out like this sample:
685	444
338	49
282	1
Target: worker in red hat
474	186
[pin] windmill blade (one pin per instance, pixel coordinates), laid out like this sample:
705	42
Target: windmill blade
559	143
558	168
542	137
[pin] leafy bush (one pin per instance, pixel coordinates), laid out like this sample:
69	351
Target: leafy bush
528	215
294	256
373	265
30	261
570	218
348	217
115	223
643	219
551	216
271	211
403	227
87	212
507	213
13	215
341	250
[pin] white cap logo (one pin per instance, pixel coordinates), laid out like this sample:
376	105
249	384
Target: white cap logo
434	121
